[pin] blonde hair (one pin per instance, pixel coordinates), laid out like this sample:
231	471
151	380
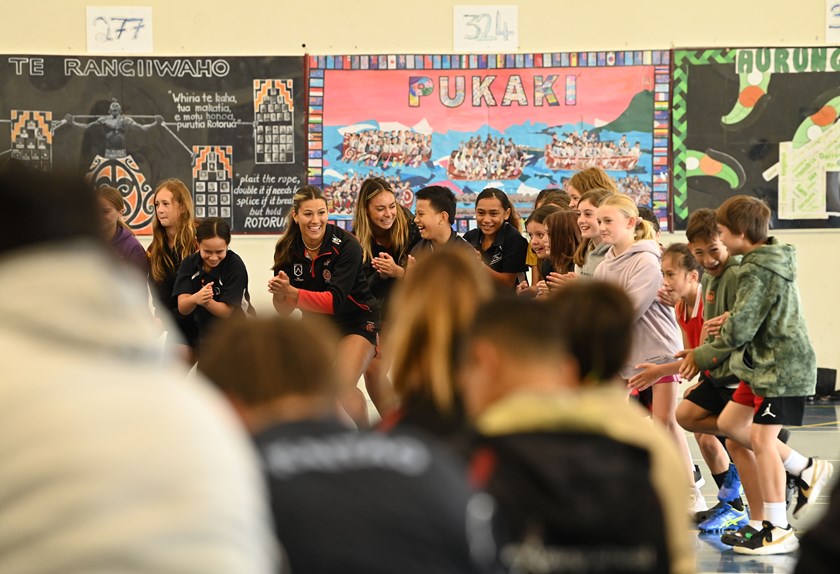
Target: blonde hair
292	231
372	187
592	178
113	196
428	329
626	205
594	197
161	263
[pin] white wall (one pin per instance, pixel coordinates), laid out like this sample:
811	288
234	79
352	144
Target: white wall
384	26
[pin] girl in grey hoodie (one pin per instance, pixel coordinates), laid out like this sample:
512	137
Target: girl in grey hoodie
633	263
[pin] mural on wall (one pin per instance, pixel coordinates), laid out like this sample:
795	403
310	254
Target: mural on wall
521	123
231	128
759	122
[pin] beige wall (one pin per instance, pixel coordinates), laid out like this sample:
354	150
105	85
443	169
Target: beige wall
389	26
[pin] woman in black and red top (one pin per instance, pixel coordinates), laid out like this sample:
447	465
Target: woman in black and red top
387	233
318	269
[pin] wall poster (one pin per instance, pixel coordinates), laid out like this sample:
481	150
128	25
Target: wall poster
759	122
520	122
231	128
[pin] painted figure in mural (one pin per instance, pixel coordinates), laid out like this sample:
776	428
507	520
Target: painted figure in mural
115	125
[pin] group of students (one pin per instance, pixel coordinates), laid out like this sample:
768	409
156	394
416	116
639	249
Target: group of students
735	319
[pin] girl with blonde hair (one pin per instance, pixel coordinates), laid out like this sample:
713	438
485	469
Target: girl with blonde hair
633	262
387	233
423	340
173	240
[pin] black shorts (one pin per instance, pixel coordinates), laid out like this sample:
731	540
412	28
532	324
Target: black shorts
710	397
361	325
787	411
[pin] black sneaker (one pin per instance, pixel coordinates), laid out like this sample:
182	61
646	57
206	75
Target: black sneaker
784	435
740	536
699	481
769	540
791	489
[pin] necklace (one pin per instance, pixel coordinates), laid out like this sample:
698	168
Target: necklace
316	248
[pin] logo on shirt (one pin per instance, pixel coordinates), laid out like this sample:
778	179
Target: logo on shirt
710	296
496	258
327	275
336	240
297	269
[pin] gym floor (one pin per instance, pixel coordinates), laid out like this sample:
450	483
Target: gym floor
819	436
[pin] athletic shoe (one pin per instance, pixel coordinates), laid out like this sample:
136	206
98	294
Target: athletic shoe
731	487
769	540
784	435
726	518
704	515
740	536
699	481
811	483
696	502
791	488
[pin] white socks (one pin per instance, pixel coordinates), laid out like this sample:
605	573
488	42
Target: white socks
795	463
776	514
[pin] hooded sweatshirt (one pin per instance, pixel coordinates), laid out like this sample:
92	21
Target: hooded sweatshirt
567	469
655	330
593	259
112	460
776	357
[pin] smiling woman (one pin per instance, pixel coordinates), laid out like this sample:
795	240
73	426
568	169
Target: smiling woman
318	269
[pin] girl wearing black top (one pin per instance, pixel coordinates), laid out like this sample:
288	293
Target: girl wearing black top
211	284
498	238
173	239
387	233
318	269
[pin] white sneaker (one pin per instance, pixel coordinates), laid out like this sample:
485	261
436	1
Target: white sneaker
696	502
811	483
769	540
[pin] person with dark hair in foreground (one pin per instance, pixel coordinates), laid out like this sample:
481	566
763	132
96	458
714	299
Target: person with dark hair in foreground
109	460
343	500
559	447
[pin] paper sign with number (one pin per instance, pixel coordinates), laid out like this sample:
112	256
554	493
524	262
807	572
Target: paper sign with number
119	29
486	29
832	21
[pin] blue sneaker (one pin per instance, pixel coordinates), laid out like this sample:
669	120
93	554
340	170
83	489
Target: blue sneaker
726	518
731	487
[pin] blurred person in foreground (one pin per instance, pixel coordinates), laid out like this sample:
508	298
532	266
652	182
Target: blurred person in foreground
110	461
581	484
343	500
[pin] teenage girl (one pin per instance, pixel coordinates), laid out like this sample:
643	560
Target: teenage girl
387	233
681	281
564	239
424	337
318	269
117	233
633	263
211	284
586	180
498	238
550	196
538	232
173	240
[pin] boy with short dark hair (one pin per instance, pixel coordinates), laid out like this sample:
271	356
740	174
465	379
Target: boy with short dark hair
707	399
539	380
775	356
434	214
